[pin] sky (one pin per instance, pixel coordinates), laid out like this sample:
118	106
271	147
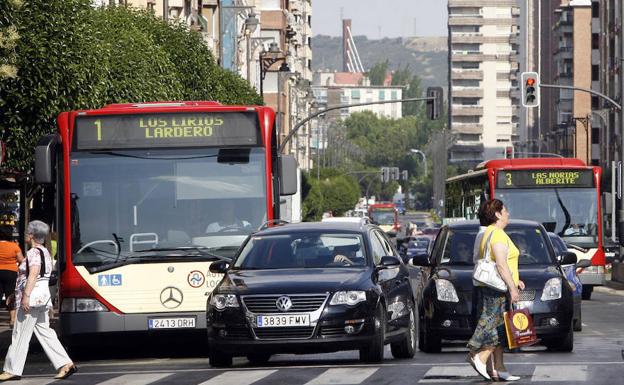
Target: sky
381	18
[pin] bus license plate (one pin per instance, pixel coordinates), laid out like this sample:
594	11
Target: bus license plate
171	323
282	320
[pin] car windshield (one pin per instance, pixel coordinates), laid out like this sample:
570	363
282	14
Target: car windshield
302	250
382	217
418	244
530	241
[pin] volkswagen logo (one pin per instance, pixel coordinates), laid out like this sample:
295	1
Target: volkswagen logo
283	303
171	297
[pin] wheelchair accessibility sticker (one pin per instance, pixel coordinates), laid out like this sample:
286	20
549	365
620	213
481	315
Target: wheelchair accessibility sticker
109	280
196	278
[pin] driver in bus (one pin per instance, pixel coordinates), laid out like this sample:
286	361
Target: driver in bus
575	229
228	221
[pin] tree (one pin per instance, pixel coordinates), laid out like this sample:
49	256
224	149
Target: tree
72	56
340	194
377	74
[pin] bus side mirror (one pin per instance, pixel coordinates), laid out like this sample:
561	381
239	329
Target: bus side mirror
288	175
44	159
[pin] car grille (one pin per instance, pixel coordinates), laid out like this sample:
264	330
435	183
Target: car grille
284	333
527	295
332	331
300	303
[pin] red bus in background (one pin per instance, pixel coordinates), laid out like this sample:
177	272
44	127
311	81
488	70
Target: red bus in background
561	193
385	215
147	197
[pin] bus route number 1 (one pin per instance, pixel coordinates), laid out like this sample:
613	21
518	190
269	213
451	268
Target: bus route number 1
98	125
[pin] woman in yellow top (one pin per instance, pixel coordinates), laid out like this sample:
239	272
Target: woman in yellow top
486	349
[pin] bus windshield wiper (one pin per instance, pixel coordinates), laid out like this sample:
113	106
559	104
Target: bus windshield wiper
140	257
121	154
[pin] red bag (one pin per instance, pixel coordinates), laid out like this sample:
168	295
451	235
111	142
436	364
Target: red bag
519	328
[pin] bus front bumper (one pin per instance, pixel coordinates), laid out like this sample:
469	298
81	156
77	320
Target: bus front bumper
80	324
593	275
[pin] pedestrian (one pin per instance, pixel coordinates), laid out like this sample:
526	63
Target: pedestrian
10	256
486	344
31	315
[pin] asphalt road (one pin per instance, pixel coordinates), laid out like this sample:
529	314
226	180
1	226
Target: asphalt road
597	359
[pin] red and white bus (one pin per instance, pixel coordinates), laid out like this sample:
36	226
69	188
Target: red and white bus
148	196
385	215
561	193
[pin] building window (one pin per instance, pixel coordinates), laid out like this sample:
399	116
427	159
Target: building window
382	95
595	41
595	102
595	9
355	95
394	95
595	72
595	132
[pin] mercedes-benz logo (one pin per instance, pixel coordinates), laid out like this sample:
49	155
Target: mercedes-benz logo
171	297
283	303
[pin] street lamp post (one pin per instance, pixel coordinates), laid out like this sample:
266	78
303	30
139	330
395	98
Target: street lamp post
267	59
416	151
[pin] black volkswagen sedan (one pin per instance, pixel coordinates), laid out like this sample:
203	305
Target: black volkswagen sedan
446	310
309	288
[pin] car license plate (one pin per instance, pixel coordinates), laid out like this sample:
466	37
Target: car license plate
171	323
610	254
282	320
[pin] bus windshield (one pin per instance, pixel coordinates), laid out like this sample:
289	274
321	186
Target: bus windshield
382	217
133	201
569	212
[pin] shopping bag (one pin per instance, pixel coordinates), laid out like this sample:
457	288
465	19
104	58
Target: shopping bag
519	328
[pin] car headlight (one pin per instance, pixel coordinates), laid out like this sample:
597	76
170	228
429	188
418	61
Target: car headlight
552	289
221	301
81	305
446	291
351	298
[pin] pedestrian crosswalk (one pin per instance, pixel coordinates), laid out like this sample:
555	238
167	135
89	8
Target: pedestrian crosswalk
351	375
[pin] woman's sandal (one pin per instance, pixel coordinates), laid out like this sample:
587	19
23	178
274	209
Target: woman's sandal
66	371
9	377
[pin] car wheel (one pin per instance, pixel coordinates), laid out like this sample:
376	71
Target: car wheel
219	360
587	292
374	352
564	345
259	358
427	341
406	348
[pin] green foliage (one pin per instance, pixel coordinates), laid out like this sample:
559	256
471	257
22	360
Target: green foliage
71	56
377	73
334	192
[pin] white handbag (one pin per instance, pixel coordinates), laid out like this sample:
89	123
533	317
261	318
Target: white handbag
40	294
485	271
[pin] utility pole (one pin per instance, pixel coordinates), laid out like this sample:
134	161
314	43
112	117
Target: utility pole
621	208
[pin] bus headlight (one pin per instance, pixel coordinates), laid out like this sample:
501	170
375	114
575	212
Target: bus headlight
446	291
552	289
221	301
81	305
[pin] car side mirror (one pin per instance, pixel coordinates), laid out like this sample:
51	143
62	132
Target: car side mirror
219	267
389	261
421	260
583	263
567	258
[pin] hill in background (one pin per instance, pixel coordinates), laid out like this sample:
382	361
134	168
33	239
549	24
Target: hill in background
426	56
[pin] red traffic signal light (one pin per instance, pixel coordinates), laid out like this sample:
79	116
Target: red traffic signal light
530	89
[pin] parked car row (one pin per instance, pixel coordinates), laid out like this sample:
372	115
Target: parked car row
341	285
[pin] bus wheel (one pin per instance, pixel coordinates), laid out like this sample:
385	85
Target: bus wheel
587	292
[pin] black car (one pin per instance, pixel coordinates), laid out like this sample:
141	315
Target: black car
446	310
309	288
410	247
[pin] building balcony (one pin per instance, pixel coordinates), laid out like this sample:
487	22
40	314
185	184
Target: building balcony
466	128
463	20
462	110
467	74
467	58
481	3
467	92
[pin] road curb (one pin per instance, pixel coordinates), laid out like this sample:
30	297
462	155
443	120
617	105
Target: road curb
609	290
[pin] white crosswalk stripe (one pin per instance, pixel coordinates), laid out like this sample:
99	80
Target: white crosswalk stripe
239	377
343	376
136	379
560	373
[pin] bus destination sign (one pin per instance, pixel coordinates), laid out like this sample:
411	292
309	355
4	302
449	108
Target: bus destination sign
157	130
545	178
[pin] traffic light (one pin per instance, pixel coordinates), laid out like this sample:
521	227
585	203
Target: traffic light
509	152
434	106
404	175
530	89
385	175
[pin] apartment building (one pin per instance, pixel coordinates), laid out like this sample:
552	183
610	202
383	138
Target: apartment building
483	78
